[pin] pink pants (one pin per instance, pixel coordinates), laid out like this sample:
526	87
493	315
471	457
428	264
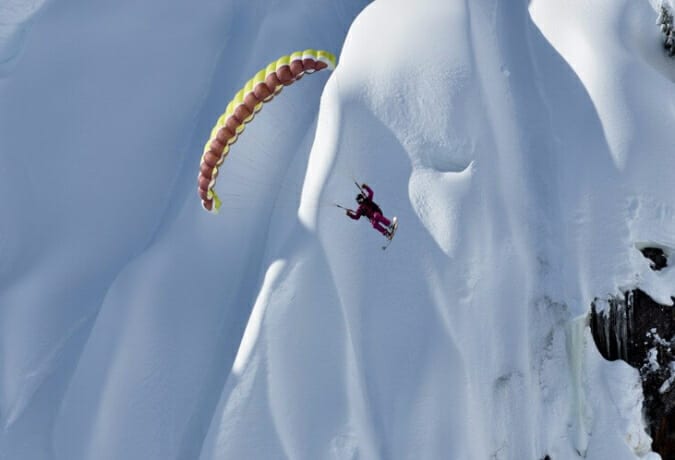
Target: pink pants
378	220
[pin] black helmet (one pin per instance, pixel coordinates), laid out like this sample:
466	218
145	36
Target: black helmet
360	198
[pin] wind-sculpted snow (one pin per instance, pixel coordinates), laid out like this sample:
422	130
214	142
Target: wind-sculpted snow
120	300
15	19
525	148
513	220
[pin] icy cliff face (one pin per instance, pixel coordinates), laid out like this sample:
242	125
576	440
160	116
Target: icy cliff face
525	149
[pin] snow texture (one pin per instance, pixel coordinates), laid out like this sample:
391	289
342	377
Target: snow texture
525	146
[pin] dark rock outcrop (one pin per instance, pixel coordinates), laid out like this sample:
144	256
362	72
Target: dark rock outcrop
665	22
634	328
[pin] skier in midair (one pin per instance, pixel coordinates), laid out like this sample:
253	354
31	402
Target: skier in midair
370	209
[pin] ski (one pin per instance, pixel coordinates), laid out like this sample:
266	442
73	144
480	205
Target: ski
390	238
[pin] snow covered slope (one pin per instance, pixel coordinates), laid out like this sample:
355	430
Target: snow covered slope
526	149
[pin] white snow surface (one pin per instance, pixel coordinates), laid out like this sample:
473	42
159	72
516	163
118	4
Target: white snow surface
526	148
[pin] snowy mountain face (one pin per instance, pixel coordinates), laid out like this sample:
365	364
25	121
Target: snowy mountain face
525	147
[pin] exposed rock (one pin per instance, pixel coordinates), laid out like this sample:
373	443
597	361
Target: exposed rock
640	331
656	256
665	22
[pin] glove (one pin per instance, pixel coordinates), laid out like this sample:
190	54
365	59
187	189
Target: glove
364	185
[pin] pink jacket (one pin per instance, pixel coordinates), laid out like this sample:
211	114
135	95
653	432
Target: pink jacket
368	208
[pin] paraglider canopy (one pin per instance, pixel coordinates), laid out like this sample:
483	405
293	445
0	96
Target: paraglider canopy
242	108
